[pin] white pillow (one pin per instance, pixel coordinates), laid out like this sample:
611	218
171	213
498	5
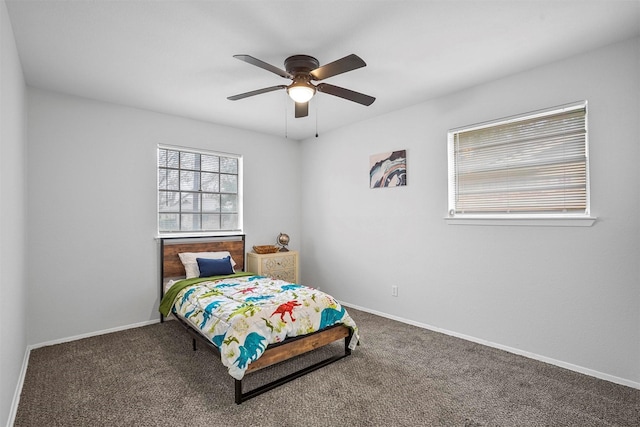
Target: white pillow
191	265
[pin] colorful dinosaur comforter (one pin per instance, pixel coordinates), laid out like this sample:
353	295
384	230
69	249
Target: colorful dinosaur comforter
243	314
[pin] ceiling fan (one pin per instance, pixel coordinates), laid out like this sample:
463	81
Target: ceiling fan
303	69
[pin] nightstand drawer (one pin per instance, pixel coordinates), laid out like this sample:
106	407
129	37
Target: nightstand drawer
286	275
280	265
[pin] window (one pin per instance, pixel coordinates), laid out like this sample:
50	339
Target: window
529	166
198	192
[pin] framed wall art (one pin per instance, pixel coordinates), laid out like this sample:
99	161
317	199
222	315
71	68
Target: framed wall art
388	169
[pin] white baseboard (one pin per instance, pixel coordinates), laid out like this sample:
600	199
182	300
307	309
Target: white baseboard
559	363
23	372
16	395
93	334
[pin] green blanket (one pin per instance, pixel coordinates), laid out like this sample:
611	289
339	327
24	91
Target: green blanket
170	296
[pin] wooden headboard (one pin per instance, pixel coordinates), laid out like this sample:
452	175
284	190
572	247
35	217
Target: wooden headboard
171	247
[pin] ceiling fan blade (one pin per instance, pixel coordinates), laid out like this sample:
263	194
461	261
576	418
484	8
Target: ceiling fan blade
341	92
302	109
255	92
348	63
258	63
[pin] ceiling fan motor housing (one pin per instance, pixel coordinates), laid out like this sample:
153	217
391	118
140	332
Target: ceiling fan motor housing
300	64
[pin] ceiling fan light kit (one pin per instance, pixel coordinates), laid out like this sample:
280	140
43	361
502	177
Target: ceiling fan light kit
301	90
302	69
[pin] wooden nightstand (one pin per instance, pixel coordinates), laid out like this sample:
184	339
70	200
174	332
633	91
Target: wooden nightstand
280	265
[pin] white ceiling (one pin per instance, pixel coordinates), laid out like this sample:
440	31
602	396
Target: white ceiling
176	56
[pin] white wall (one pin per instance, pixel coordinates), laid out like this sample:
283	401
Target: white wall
568	295
12	216
93	258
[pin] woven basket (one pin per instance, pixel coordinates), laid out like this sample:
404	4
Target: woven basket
266	249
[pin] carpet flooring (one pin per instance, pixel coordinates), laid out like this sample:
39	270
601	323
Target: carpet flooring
400	375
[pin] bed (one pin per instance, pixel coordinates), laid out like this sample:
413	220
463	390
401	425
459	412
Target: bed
250	321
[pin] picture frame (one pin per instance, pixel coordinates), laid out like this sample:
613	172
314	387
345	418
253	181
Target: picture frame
388	169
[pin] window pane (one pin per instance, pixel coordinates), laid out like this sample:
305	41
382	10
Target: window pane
162	157
168	222
188	160
173	159
190	222
162	179
228	165
210	163
211	202
230	222
189	202
229	183
173	179
210	182
229	202
189	180
211	222
168	201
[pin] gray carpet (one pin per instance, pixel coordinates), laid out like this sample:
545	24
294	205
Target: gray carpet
400	375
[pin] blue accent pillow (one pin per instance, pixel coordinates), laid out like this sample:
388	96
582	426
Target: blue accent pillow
214	267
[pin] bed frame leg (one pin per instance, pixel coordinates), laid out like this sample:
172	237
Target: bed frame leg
347	340
238	391
195	347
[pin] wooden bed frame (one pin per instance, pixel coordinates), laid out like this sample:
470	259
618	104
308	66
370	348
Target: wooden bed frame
171	268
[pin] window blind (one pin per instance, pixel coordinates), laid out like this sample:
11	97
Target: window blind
531	164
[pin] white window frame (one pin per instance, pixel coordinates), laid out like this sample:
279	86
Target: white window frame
201	232
457	216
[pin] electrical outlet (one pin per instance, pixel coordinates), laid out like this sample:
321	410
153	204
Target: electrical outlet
394	291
